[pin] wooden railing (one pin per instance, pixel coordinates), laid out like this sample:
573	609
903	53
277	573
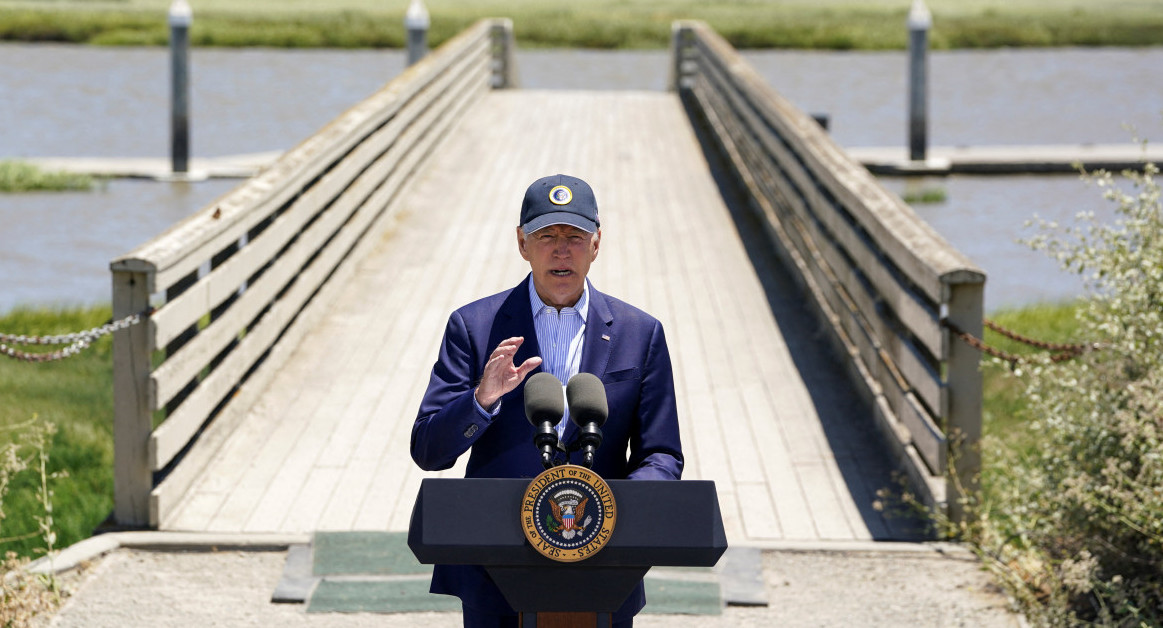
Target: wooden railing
235	286
883	280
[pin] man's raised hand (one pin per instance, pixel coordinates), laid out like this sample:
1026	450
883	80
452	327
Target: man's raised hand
501	375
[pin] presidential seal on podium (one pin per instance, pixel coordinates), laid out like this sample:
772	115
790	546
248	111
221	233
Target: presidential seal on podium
568	513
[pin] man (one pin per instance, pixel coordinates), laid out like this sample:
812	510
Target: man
555	321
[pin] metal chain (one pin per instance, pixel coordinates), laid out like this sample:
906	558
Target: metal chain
1064	351
1049	346
77	341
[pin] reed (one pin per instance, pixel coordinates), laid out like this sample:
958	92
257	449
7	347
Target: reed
19	176
76	396
826	24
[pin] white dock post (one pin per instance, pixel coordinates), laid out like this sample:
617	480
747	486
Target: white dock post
180	18
416	22
920	21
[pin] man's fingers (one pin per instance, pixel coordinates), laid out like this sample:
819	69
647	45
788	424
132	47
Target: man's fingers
510	344
500	374
507	348
527	366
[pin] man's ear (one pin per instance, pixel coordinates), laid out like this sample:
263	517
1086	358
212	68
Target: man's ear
521	244
597	243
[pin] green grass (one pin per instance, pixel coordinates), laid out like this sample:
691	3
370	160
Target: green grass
76	395
1003	411
18	176
924	195
831	24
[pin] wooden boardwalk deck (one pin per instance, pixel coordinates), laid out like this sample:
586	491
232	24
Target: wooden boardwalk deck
763	410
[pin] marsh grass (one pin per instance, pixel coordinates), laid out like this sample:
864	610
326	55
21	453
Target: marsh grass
925	195
826	24
1007	430
18	176
74	395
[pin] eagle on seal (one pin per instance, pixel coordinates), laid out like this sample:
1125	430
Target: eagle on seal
568	517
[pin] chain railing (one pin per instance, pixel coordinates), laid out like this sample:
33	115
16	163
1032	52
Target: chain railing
1062	352
76	341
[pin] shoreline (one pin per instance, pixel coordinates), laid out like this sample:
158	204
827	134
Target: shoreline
352	24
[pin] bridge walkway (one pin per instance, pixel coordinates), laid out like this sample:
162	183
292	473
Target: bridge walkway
764	411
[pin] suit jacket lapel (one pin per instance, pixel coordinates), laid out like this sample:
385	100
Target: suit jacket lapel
599	335
515	318
599	342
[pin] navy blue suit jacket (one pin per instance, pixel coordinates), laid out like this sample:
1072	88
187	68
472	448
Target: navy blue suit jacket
624	347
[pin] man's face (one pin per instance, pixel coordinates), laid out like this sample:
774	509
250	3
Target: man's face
560	256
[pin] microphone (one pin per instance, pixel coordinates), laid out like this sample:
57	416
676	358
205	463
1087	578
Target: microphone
588	410
544	408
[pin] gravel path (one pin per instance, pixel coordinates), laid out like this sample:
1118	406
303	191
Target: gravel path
806	588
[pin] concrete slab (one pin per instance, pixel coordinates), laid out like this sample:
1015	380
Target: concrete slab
929	586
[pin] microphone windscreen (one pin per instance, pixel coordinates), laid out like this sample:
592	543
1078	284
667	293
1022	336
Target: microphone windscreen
587	399
543	401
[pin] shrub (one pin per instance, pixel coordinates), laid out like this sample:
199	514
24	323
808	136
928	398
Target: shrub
1076	528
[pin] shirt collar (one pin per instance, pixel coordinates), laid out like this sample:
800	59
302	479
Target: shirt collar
581	307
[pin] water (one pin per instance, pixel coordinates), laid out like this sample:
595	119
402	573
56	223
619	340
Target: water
80	101
984	217
56	248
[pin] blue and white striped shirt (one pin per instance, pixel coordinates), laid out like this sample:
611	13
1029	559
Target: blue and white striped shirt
560	336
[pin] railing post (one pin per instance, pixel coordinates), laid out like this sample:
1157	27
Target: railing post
132	419
964	380
920	21
680	41
504	54
416	22
180	18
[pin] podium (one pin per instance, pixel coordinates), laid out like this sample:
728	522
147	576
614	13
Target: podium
477	522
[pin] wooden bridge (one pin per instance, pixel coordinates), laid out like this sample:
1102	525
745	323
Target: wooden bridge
274	387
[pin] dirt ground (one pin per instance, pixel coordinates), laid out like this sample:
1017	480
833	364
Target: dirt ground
806	588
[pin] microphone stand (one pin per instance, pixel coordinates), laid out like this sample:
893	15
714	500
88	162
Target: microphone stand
546	440
588	440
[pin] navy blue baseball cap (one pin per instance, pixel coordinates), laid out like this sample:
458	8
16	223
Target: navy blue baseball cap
559	200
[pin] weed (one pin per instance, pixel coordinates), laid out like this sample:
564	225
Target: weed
18	176
24	595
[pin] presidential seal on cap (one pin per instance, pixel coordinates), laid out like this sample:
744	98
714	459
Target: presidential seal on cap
560	195
559	200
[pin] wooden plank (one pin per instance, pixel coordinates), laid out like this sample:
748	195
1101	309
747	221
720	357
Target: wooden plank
928	443
891	426
132	419
964	377
172	435
924	380
755	504
685	247
170	492
173	489
868	262
415	332
795	518
924	256
928	438
391	376
400	133
790	500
